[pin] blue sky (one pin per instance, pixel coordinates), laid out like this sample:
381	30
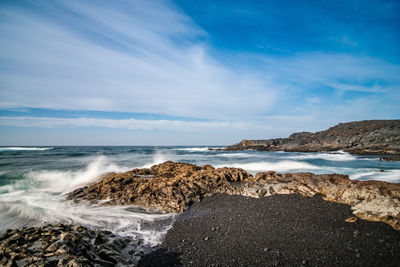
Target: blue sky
193	72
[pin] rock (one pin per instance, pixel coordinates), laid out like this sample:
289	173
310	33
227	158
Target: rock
370	200
61	245
391	158
373	137
173	187
351	219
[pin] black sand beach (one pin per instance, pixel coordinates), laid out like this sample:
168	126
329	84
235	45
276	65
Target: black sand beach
285	230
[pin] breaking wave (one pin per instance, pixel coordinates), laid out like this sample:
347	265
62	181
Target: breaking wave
195	149
392	176
333	156
40	199
25	148
280	166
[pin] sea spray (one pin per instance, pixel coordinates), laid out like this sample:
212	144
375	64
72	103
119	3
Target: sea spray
33	182
39	199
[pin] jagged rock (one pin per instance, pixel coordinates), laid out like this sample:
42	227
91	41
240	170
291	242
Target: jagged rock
373	137
173	187
170	186
61	245
370	200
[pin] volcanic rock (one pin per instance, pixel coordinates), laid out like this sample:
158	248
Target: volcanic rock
170	186
62	245
373	137
369	200
173	187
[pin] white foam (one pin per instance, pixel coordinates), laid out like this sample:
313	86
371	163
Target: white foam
158	157
195	149
40	199
280	166
25	148
333	156
235	155
392	176
65	181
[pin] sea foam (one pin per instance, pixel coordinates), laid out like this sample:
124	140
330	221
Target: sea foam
280	166
3	149
40	199
333	156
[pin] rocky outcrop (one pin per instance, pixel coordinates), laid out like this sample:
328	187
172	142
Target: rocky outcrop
373	137
369	200
63	245
173	187
170	186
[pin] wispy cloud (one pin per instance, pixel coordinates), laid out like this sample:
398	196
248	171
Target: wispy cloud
132	124
140	56
266	77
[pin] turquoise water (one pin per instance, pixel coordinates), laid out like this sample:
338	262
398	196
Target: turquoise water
34	180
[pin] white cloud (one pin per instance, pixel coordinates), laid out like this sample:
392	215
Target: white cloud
132	124
138	56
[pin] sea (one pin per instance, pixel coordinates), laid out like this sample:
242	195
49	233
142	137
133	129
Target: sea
34	181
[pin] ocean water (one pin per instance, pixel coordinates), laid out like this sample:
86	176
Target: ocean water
34	180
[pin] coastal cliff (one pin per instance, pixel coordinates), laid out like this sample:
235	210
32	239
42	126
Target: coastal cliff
372	137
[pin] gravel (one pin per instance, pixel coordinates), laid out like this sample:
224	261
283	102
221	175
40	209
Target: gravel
281	230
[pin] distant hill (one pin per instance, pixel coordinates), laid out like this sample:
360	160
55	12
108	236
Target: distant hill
371	137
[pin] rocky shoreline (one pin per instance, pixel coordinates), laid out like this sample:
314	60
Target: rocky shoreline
372	137
65	245
281	230
175	187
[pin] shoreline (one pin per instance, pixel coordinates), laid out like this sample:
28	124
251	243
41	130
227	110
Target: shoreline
287	230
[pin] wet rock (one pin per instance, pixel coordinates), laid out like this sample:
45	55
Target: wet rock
62	245
172	187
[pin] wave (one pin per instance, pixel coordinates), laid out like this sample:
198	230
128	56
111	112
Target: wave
194	149
333	156
391	176
280	166
235	155
40	199
65	181
3	149
158	157
30	209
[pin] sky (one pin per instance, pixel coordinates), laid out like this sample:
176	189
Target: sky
186	72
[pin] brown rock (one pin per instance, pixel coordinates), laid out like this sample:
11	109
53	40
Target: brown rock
370	200
372	137
173	187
